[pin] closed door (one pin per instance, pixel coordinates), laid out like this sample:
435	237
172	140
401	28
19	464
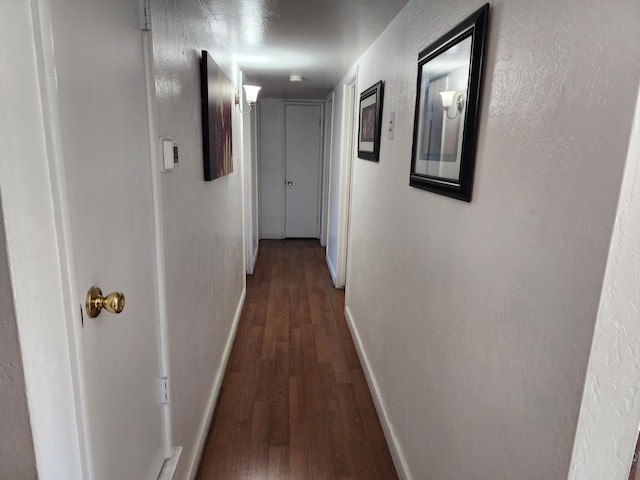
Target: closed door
303	137
106	153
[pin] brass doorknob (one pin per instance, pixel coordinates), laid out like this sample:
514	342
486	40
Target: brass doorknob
289	183
112	303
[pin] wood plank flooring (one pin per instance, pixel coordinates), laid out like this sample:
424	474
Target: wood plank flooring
294	402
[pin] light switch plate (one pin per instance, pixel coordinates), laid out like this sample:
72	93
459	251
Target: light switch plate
169	154
391	125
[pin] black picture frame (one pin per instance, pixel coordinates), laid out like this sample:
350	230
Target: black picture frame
370	121
459	159
216	94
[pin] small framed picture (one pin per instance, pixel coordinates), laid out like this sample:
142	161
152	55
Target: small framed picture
370	122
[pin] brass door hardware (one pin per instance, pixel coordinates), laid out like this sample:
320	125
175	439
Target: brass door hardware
112	303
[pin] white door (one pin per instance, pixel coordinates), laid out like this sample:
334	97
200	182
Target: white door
303	140
105	141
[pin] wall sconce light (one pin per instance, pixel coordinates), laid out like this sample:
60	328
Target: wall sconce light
451	98
251	94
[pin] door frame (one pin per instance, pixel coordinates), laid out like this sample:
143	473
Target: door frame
41	254
162	306
285	103
36	245
326	166
251	187
350	126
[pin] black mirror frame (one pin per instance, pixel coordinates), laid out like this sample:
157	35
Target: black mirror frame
476	27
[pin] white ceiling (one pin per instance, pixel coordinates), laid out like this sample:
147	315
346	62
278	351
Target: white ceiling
317	39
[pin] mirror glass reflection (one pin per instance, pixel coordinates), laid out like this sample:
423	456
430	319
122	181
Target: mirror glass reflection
443	107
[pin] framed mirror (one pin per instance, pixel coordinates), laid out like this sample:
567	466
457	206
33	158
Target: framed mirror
444	129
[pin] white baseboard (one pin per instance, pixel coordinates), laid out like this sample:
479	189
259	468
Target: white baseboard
170	464
332	270
399	459
201	436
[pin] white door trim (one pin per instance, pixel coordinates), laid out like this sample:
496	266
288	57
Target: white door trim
349	122
158	217
326	167
40	251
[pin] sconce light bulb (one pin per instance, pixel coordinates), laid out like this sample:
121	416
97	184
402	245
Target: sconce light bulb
451	97
251	93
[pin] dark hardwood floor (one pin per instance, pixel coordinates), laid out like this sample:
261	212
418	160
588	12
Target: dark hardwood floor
294	402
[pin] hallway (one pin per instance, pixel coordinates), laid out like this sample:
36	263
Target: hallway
294	402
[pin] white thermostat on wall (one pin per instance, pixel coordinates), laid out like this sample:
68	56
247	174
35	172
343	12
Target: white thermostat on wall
169	154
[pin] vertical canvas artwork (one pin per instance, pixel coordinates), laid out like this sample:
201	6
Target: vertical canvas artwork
217	96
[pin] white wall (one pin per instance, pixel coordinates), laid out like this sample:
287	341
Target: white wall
17	459
204	244
477	318
271	153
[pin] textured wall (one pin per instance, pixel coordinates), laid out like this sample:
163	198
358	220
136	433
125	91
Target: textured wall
17	460
477	318
203	220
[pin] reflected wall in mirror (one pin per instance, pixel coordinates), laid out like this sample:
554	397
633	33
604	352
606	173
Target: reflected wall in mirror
444	131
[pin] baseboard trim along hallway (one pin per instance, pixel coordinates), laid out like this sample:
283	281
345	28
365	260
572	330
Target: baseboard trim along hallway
389	432
201	436
294	403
